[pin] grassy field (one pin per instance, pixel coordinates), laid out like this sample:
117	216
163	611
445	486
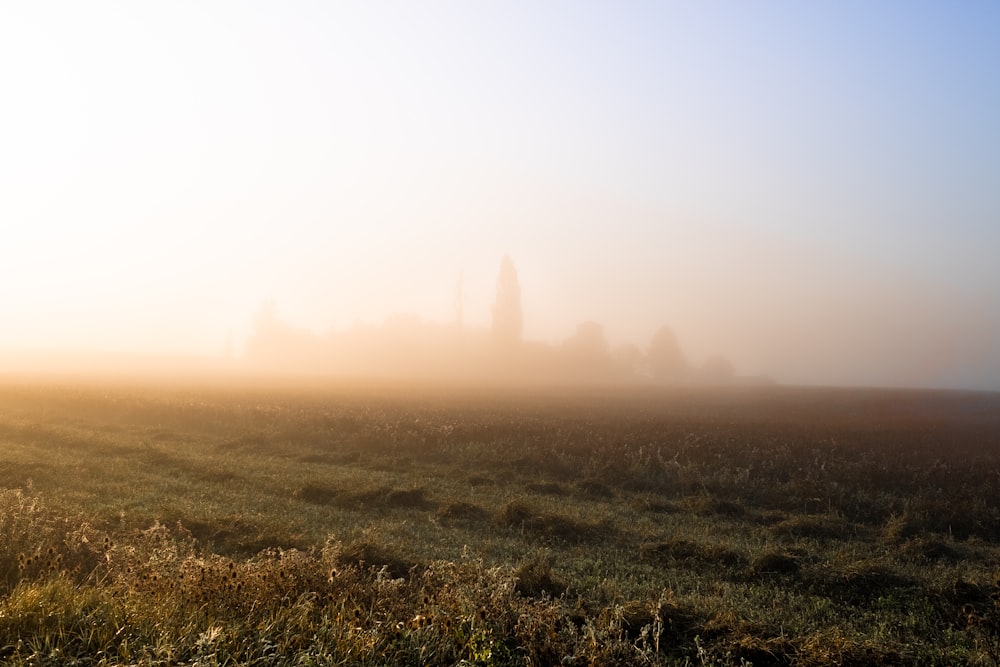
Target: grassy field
367	525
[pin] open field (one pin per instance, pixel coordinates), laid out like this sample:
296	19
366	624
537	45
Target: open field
367	525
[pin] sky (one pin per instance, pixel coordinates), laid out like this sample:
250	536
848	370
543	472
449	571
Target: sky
811	189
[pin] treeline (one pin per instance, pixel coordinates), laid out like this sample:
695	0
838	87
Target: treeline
407	346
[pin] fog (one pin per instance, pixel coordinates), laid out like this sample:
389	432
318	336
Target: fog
798	195
746	325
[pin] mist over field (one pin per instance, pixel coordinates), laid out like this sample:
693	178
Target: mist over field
499	333
687	194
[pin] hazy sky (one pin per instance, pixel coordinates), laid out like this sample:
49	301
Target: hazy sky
811	188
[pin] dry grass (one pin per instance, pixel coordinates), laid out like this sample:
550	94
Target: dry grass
770	527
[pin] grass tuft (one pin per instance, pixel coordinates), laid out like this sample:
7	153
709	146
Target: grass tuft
536	578
524	517
461	511
774	562
365	554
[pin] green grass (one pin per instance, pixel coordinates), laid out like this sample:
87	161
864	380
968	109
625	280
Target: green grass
371	525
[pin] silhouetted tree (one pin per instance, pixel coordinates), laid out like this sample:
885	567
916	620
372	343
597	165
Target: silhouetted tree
280	346
666	361
628	359
718	369
507	307
587	350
